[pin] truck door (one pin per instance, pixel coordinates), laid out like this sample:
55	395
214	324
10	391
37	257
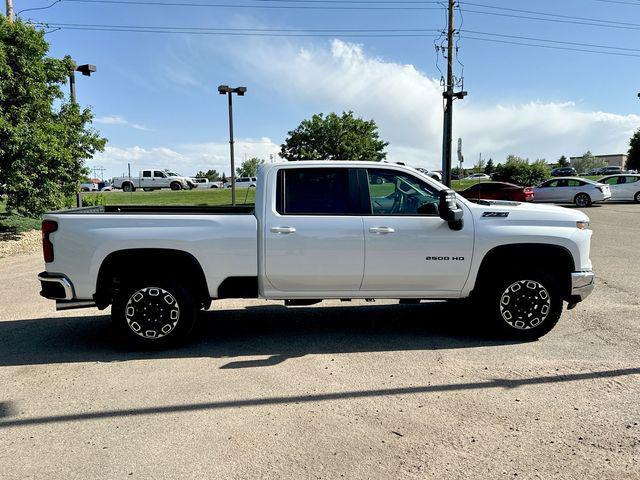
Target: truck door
146	180
409	248
159	179
313	236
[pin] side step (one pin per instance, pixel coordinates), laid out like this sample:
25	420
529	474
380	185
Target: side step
71	304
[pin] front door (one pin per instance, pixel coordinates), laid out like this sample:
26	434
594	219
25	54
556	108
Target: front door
409	248
313	236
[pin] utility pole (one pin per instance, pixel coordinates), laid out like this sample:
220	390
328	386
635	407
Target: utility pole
449	96
10	11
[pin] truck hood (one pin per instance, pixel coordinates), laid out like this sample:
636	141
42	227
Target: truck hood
536	214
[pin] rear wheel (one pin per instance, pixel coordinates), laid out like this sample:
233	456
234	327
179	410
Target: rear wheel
128	187
524	306
582	200
154	312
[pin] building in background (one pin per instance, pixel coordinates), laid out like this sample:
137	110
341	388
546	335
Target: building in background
613	160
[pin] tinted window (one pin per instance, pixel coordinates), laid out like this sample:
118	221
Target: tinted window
146	173
158	174
400	194
632	179
552	183
609	181
313	191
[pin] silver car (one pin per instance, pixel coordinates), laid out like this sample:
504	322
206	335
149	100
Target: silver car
580	191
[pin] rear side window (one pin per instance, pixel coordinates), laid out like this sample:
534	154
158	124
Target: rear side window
146	173
314	191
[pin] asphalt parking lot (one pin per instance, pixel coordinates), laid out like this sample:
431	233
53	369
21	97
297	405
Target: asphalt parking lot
335	391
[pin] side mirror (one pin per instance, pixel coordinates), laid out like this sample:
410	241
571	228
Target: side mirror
449	210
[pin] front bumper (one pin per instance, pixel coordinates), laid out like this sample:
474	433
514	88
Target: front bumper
582	284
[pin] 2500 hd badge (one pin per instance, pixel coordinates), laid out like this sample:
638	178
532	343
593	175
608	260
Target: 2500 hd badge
445	259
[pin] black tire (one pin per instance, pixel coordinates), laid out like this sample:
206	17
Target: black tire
523	305
176	186
582	200
636	197
128	187
153	312
214	186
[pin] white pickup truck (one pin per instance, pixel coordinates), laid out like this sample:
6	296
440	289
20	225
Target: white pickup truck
320	230
154	179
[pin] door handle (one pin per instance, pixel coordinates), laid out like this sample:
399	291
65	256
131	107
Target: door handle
381	230
283	230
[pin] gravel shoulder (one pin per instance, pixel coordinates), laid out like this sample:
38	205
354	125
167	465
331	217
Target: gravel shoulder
349	390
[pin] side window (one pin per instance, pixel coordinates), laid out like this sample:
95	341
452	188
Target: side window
146	173
158	174
632	179
610	181
400	194
314	191
562	183
552	183
574	183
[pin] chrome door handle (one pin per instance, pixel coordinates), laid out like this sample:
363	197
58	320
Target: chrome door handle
381	230
283	230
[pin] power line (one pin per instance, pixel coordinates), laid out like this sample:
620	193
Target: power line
231	5
619	1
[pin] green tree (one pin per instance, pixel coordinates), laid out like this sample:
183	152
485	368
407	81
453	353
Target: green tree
633	162
334	137
211	175
563	162
521	172
44	140
587	162
249	168
490	167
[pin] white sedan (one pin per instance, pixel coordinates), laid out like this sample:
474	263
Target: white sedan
623	187
581	191
478	176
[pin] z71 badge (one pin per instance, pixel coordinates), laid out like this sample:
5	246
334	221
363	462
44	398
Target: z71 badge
495	214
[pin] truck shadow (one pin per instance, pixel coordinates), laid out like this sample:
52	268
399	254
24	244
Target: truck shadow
273	331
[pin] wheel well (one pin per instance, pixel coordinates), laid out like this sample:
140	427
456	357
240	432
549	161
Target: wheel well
553	259
124	265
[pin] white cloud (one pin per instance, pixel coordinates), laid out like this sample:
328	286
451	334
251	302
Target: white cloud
407	105
186	159
119	120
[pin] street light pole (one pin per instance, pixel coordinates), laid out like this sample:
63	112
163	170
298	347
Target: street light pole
85	70
228	91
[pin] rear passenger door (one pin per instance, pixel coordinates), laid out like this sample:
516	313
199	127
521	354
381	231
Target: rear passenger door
313	233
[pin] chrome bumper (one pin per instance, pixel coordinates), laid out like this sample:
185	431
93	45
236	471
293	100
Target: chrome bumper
62	288
582	284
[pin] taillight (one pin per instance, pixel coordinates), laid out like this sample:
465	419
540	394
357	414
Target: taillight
48	227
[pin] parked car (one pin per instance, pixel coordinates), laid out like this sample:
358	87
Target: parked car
88	187
498	191
243	182
564	172
594	171
107	187
153	179
478	176
623	187
580	191
611	170
203	182
318	230
435	175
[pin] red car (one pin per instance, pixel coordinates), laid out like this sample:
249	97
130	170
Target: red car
498	191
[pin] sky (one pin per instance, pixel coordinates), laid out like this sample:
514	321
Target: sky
155	97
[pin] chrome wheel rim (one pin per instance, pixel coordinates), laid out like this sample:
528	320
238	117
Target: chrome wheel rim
525	304
152	312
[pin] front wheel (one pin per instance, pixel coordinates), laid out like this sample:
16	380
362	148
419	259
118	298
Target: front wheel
176	186
524	306
154	312
636	197
582	200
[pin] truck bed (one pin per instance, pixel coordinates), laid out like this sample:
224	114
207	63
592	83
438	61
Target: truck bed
244	209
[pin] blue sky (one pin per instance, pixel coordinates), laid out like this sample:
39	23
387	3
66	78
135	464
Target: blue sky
155	98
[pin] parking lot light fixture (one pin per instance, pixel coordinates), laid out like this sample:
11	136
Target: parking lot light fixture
229	91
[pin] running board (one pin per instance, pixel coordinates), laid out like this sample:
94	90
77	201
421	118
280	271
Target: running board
71	304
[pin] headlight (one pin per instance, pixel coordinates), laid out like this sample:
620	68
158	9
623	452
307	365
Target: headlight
582	224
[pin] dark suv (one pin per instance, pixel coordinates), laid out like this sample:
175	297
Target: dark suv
564	172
